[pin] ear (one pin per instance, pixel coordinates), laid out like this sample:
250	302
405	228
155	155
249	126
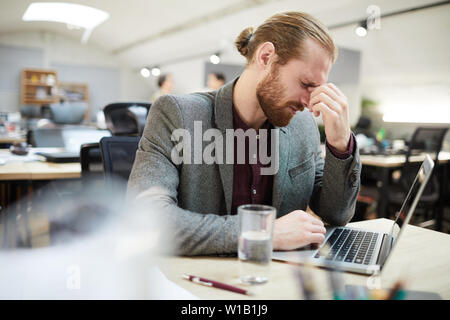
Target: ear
265	55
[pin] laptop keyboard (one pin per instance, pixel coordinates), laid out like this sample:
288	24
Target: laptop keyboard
350	246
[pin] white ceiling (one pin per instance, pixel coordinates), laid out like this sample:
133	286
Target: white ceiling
145	32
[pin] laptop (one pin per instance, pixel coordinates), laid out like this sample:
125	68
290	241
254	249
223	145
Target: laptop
361	250
69	139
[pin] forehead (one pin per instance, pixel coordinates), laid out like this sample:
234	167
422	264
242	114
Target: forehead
313	67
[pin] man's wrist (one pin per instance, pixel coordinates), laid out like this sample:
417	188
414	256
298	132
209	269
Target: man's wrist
348	151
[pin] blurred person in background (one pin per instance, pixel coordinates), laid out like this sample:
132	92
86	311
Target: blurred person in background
165	86
216	80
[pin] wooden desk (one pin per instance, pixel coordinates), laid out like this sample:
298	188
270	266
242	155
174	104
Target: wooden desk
18	178
396	161
37	170
421	257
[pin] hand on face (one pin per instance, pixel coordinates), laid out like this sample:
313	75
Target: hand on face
297	229
332	103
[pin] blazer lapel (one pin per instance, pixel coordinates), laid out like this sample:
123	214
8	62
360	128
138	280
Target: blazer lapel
283	161
223	111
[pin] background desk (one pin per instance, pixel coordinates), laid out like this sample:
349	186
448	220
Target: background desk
387	164
421	257
19	179
37	170
17	176
395	161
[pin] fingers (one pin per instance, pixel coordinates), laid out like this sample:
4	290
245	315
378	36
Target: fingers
317	228
331	91
336	90
316	238
316	221
328	101
306	217
297	229
326	111
330	97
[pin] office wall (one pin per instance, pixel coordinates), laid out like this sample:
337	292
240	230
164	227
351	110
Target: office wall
12	60
405	67
346	74
103	83
77	63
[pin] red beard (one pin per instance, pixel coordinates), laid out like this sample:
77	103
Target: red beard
269	93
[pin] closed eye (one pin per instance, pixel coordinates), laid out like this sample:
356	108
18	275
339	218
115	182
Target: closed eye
307	85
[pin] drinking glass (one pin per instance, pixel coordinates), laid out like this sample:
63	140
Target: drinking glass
255	242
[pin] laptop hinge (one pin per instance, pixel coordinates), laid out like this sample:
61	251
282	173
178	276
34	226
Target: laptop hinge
386	245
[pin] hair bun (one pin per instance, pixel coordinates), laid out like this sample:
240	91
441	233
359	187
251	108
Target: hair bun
242	41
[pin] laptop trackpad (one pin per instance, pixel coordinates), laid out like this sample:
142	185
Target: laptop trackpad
298	256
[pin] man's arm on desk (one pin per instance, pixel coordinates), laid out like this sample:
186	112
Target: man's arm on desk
154	180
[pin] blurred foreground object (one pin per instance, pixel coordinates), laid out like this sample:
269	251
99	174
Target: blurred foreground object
100	248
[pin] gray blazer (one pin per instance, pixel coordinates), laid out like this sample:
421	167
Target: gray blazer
196	198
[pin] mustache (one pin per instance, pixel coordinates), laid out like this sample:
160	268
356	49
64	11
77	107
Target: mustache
296	105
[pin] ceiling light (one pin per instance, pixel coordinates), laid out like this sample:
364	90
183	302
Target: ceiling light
215	58
156	71
145	72
69	13
361	30
73	14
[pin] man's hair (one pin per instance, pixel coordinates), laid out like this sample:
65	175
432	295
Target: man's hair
162	78
219	76
287	32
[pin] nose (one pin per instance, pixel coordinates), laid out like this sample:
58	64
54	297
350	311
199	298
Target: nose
306	94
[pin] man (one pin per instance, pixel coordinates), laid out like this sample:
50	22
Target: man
216	80
289	57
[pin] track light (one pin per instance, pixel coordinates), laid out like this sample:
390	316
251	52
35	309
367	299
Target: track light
145	72
361	30
215	58
156	71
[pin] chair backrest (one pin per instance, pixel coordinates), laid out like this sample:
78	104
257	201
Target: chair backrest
424	140
428	140
91	164
126	118
118	154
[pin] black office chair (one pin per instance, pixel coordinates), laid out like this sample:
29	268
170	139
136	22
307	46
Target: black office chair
91	165
118	154
424	140
363	126
126	118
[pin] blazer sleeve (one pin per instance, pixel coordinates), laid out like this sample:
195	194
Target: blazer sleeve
336	186
154	182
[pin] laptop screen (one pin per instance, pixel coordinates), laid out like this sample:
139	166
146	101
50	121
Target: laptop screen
409	204
74	138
